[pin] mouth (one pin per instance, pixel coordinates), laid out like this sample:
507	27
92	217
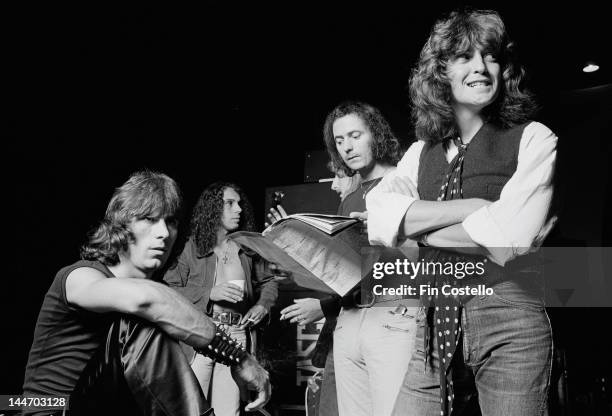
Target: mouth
352	158
479	83
159	250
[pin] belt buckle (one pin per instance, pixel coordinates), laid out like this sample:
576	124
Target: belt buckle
238	317
225	318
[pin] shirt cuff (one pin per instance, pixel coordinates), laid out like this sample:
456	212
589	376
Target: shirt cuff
484	231
385	214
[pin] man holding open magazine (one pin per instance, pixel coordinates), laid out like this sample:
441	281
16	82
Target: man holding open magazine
372	341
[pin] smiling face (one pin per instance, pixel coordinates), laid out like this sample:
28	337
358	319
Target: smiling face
474	80
152	242
230	218
354	142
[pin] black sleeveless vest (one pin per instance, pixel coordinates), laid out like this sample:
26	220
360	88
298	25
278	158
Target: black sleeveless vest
490	160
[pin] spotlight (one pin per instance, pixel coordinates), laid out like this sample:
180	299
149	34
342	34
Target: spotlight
590	67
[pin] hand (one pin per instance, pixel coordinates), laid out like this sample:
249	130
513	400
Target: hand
252	375
303	311
275	215
362	216
226	291
253	316
314	381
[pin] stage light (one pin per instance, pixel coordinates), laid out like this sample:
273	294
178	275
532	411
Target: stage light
590	67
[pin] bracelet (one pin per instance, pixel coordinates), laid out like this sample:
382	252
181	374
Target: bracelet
224	349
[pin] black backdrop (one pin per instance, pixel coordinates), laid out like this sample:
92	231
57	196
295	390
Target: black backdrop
239	92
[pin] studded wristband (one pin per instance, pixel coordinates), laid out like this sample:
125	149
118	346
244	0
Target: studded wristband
224	349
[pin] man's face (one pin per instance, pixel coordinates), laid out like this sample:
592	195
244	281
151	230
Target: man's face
230	219
354	142
474	80
152	244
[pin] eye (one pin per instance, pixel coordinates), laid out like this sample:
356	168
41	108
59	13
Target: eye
462	57
172	221
355	134
338	141
490	58
150	219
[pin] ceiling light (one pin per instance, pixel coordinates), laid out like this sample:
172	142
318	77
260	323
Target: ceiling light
590	67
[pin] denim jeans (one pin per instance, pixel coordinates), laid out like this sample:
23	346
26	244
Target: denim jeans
372	348
216	379
502	365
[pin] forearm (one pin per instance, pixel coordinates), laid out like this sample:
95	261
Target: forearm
424	216
455	238
176	316
268	294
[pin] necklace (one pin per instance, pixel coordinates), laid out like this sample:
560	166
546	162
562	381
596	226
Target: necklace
375	182
369	188
224	257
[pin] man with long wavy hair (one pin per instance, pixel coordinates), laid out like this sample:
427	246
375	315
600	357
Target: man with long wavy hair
477	188
107	334
372	340
233	286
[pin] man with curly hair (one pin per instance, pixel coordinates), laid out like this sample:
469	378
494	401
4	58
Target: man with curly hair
233	286
371	341
477	188
107	333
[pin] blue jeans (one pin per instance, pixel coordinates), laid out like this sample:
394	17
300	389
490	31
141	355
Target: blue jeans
502	365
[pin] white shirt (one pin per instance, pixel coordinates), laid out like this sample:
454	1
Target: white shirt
509	225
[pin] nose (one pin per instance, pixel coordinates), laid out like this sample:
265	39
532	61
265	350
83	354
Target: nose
237	208
161	229
477	62
347	145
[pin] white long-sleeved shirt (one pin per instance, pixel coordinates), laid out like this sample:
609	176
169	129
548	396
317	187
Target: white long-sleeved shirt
508	226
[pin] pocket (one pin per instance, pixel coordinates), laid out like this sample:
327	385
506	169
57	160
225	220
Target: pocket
515	295
399	323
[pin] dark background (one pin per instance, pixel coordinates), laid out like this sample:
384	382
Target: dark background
240	92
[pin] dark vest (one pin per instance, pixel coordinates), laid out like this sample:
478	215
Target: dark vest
490	161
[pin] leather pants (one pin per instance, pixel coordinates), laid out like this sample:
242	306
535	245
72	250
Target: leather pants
139	370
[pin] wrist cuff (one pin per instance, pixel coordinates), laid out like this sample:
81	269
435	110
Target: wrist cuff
224	349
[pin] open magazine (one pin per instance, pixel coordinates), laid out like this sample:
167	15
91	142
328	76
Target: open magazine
329	224
321	252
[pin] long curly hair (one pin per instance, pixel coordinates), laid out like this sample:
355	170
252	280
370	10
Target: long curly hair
429	86
207	213
144	194
385	146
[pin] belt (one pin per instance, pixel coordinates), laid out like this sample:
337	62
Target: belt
228	318
354	300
